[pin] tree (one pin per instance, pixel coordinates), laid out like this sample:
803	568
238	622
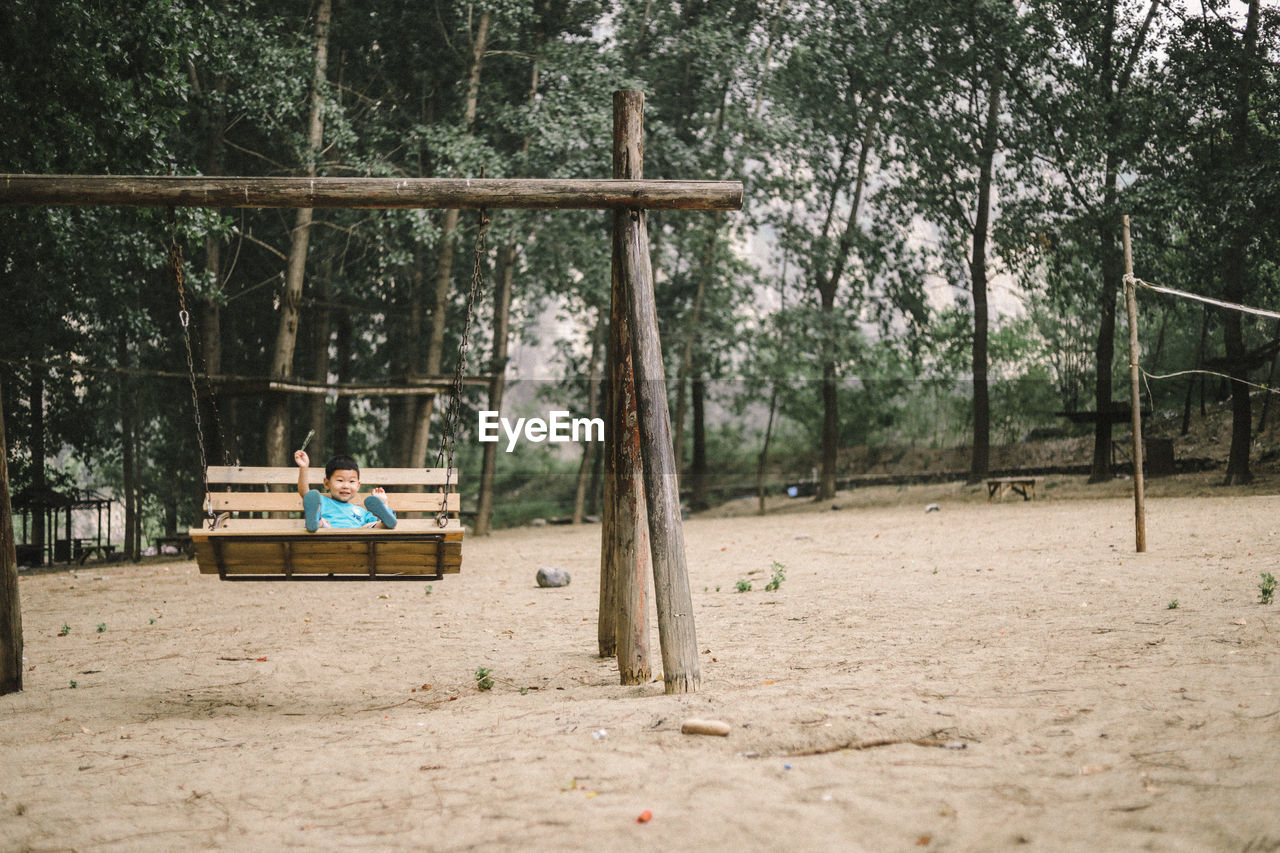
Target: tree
277	438
830	99
953	125
1216	131
702	63
1086	105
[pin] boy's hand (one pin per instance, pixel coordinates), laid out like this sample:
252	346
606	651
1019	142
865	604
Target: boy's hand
301	458
380	492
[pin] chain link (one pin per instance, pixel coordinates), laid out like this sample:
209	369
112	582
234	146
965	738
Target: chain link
184	317
453	411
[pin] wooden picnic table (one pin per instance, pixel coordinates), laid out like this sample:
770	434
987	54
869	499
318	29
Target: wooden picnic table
85	550
1025	486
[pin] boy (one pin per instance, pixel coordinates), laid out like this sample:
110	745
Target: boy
342	481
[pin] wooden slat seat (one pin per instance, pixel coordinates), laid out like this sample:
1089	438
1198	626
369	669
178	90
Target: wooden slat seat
260	535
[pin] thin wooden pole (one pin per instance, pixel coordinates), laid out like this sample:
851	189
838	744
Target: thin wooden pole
1135	399
681	672
388	193
628	552
10	608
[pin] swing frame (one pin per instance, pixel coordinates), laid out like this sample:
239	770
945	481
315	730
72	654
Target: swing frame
638	452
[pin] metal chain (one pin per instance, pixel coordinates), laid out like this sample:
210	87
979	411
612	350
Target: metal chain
184	317
453	411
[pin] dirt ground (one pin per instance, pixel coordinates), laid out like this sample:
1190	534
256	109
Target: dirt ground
988	676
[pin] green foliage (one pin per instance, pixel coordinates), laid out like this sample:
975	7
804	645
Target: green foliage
805	102
778	576
484	678
743	586
1267	588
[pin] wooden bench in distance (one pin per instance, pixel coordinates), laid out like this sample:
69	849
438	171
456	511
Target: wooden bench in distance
244	545
1025	486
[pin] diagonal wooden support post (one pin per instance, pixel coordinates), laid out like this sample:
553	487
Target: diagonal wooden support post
624	587
681	671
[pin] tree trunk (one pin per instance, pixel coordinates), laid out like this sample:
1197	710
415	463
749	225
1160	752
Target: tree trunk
39	535
277	444
687	355
1238	471
593	411
128	458
699	493
763	459
980	461
1106	349
1199	363
1271	378
340	440
10	603
413	438
504	279
319	403
444	260
827	289
214	119
407	357
1235	271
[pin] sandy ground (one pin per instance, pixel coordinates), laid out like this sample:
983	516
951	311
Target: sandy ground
985	677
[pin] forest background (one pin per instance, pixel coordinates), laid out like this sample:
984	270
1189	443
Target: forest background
928	253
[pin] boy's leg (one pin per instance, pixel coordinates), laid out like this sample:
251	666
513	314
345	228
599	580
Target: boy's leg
378	507
311	510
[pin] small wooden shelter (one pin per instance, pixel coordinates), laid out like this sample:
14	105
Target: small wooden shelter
57	511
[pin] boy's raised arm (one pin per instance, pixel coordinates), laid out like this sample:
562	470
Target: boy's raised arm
304	467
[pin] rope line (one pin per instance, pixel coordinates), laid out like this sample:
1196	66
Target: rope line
1266	388
1261	312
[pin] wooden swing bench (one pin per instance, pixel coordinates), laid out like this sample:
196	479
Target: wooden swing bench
245	544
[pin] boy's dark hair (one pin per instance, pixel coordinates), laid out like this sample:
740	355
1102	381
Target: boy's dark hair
340	463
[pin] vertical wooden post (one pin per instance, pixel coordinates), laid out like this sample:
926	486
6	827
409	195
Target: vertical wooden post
1135	399
681	671
631	556
624	582
10	607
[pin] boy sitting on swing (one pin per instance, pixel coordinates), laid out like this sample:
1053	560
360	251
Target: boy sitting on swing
342	482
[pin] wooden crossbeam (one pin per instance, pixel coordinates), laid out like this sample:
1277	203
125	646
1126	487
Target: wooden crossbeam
385	193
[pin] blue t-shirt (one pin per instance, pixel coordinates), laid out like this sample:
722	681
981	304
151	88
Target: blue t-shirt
339	514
